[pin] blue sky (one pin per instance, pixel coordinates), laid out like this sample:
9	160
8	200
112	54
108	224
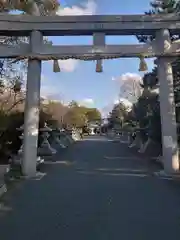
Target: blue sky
78	80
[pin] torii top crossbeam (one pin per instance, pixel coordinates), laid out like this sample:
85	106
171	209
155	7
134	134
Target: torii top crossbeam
22	25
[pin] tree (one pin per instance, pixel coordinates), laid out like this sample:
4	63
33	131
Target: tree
161	7
56	110
130	87
32	7
150	80
13	73
73	104
118	115
75	117
11	96
79	116
11	100
93	114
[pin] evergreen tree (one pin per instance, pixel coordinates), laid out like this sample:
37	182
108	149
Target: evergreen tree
150	80
32	7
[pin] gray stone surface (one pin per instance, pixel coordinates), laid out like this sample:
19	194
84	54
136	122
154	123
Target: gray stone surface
97	190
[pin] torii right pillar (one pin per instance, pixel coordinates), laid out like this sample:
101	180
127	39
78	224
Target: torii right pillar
167	106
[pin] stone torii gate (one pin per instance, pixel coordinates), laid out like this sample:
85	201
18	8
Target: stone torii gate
99	26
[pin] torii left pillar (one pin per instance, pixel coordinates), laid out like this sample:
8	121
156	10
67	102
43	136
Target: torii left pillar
32	106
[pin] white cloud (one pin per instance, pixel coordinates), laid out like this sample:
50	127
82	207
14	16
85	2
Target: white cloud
68	65
87	101
128	77
126	88
124	101
48	91
105	110
116	101
129	86
131	77
87	8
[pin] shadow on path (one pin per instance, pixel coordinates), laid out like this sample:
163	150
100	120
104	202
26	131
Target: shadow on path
96	190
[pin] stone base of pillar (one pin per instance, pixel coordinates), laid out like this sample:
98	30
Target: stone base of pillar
70	139
144	146
18	158
141	149
164	174
133	144
46	149
3	189
58	141
124	137
137	142
38	176
171	166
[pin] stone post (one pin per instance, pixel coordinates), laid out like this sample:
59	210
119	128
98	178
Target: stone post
167	105
31	121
